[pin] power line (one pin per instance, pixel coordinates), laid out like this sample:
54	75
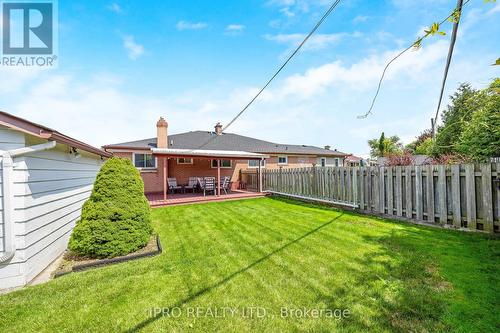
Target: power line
396	57
448	62
323	18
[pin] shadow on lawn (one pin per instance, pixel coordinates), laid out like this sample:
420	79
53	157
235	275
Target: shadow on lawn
398	286
228	278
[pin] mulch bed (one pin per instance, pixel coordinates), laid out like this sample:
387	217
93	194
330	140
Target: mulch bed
74	263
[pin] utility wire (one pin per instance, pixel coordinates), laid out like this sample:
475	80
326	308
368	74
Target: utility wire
323	18
448	62
396	57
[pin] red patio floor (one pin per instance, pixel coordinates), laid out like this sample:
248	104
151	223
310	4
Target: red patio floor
156	199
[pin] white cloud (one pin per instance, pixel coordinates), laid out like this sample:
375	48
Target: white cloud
360	75
495	9
235	29
360	19
114	7
134	49
287	12
316	42
185	25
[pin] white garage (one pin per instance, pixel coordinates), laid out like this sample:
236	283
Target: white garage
45	178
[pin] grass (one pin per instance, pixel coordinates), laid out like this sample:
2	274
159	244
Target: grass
267	254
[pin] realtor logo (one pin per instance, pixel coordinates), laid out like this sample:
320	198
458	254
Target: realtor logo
28	33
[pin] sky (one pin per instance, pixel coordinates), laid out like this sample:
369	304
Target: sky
123	64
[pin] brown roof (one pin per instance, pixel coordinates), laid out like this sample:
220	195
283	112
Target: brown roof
43	132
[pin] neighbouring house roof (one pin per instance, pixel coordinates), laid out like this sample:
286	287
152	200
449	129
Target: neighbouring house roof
225	142
353	159
43	132
207	153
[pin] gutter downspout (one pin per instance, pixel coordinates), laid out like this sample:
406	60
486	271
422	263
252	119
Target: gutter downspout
7	170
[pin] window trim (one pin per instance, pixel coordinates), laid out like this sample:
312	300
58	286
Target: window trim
185	158
145	168
285	156
262	164
321	159
222	167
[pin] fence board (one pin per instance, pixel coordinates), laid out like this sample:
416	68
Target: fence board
381	182
409	192
455	195
443	210
430	193
398	193
390	191
418	193
470	187
487	197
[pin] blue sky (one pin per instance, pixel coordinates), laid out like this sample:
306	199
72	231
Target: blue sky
122	64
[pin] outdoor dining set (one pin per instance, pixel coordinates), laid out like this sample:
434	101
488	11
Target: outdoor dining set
200	184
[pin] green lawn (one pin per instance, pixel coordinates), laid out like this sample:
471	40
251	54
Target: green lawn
268	254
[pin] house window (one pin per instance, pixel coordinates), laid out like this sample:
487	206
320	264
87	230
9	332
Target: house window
145	161
223	163
184	160
336	162
323	161
255	163
282	160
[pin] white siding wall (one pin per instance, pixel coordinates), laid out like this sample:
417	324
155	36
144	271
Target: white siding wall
9	139
49	189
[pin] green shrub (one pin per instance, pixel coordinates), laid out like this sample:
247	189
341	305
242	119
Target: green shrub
116	219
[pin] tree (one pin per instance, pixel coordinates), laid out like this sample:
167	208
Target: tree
459	112
382	146
425	148
480	140
421	139
116	219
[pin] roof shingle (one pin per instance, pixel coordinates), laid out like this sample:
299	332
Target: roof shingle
226	141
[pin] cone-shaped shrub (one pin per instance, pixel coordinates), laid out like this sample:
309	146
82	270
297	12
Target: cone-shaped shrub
116	219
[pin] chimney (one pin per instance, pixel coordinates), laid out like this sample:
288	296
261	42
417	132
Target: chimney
161	133
218	129
327	147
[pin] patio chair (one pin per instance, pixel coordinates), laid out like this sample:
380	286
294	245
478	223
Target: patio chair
192	184
200	183
209	185
172	185
225	184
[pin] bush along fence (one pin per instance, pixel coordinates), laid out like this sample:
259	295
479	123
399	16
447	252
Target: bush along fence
459	196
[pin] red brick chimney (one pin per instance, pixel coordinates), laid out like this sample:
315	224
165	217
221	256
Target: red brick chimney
161	133
218	129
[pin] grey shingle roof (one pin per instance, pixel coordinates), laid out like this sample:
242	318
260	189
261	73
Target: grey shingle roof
227	141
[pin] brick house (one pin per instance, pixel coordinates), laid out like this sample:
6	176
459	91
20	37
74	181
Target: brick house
198	153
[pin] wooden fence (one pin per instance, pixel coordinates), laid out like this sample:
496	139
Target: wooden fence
461	196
